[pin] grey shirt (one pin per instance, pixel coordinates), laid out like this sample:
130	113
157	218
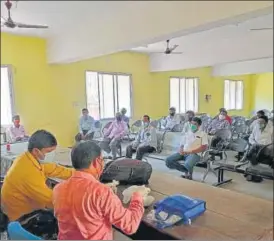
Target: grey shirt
86	124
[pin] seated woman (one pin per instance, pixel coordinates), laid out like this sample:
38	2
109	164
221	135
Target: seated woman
24	189
17	131
145	142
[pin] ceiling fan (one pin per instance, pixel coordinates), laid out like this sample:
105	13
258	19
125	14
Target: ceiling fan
9	23
169	50
260	29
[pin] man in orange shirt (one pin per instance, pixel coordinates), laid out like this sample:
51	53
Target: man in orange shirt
85	208
24	189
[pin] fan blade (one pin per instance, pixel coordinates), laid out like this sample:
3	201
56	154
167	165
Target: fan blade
176	53
22	25
259	29
174	47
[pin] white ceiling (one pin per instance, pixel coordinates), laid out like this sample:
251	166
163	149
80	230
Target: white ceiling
85	29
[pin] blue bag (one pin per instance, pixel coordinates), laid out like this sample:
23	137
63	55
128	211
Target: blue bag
184	207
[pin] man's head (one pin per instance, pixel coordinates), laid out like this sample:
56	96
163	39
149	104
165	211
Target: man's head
262	122
123	111
41	143
16	120
87	156
222	109
118	116
172	111
189	115
85	112
222	115
196	124
146	120
260	113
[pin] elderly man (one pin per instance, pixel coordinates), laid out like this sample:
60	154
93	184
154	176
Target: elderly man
24	189
113	135
145	142
85	208
86	126
17	131
193	144
170	121
218	123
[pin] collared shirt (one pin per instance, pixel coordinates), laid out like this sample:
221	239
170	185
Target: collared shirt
117	129
16	132
170	122
125	119
192	141
261	137
186	128
86	209
86	124
147	136
24	189
216	125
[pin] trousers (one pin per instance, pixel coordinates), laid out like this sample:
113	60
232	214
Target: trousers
111	145
140	151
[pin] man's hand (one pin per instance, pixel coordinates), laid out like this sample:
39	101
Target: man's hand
82	136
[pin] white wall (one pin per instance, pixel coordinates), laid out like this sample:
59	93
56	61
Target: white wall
256	66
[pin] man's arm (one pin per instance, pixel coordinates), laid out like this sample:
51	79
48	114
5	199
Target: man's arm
203	147
108	130
54	170
126	219
251	139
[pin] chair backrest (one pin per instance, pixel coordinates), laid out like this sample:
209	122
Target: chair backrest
154	123
97	124
17	232
106	126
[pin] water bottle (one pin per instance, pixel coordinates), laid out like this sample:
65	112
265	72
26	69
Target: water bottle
8	147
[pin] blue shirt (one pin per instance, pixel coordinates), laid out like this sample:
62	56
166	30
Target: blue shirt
86	124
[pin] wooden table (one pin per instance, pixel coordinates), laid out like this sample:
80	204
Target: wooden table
229	216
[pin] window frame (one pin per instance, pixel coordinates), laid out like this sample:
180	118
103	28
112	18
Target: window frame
188	77
11	90
113	80
243	94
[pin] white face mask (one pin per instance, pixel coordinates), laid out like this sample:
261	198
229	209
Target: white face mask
49	157
221	117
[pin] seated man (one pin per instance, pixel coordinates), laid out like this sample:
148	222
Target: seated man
145	142
193	144
24	189
85	208
254	119
113	135
17	131
261	135
86	126
124	117
187	126
170	121
227	117
218	123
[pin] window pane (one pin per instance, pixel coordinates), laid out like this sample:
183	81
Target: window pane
124	93
189	94
226	95
106	96
182	95
239	95
232	95
174	93
92	94
6	100
195	108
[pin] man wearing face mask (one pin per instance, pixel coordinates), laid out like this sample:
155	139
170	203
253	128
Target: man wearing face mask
187	126
145	142
218	124
17	131
192	145
24	189
113	135
85	208
170	121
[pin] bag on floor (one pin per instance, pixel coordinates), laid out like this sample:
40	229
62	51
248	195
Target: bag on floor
127	171
176	209
41	223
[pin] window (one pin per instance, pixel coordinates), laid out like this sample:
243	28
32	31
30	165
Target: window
6	97
107	93
233	94
184	94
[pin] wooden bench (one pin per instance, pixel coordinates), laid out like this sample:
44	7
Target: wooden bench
229	216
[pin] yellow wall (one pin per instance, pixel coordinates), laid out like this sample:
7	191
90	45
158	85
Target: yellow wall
45	95
262	91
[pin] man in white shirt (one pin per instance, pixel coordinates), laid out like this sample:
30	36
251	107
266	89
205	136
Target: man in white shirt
193	144
170	121
86	127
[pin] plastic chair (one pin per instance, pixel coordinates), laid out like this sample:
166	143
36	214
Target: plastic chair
17	232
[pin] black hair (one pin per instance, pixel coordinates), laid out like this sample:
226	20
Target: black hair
15	117
84	153
84	109
261	112
197	120
223	111
190	112
265	118
147	116
41	139
172	108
